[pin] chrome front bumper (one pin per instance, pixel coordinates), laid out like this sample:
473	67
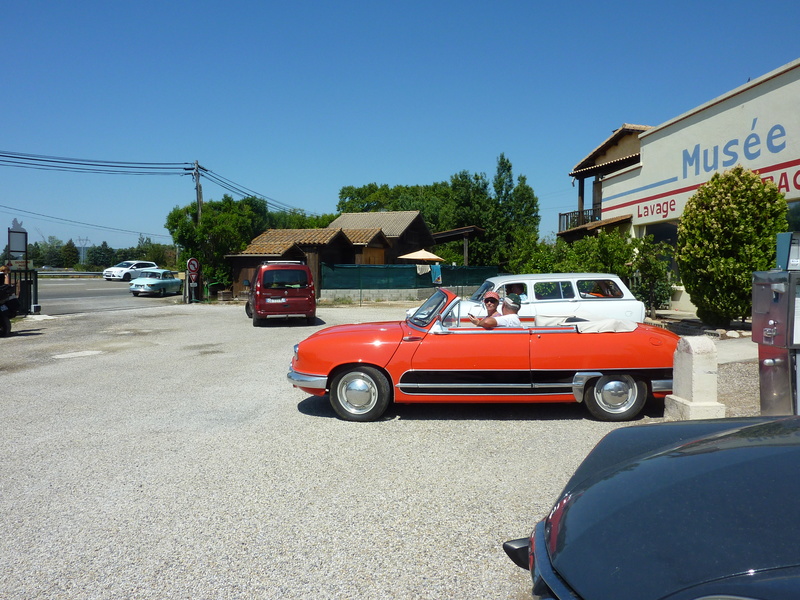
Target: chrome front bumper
301	380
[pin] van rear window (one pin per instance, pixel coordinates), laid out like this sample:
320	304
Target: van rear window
285	278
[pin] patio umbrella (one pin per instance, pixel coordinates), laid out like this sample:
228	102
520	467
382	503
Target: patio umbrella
421	255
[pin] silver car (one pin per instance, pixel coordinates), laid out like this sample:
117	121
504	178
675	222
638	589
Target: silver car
127	270
155	281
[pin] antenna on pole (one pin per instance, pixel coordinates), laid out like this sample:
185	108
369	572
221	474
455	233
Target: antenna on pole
83	242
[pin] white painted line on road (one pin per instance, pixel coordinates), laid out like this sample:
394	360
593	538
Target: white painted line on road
79	354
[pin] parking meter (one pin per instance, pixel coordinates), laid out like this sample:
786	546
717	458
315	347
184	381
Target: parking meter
776	328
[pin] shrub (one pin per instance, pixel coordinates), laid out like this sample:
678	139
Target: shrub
727	231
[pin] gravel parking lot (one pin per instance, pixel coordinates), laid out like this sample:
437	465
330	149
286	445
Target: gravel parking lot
162	454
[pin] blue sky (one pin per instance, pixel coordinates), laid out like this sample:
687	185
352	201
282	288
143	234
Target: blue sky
295	100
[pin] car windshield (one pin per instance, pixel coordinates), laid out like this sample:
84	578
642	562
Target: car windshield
426	313
151	275
485	287
125	264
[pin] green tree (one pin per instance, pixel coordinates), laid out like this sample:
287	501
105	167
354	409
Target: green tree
507	211
652	264
70	256
51	252
727	231
34	254
472	204
368	198
517	224
607	252
226	227
100	256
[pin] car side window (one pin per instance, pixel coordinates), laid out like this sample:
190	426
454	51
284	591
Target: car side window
520	289
553	290
599	288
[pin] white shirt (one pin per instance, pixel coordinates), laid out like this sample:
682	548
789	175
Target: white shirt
509	320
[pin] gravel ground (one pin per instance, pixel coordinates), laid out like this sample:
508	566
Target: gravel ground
160	453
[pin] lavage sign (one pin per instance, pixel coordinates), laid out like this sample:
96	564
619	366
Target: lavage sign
756	125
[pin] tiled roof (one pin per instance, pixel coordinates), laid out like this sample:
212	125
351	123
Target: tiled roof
599	224
393	223
605	164
363	236
278	241
614	138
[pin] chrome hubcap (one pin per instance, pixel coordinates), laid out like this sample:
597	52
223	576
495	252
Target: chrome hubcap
615	394
357	392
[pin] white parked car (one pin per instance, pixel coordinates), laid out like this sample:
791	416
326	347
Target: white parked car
127	270
584	295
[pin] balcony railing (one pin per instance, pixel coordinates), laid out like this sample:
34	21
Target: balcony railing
577	217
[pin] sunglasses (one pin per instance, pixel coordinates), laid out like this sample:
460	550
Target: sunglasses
492	300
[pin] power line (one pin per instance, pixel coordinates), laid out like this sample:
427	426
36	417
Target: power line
63	220
79	165
244	192
56	163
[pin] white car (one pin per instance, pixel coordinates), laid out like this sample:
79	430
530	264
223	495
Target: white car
127	270
584	295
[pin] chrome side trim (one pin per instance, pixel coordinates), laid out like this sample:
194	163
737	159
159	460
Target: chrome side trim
470	386
317	382
661	385
579	383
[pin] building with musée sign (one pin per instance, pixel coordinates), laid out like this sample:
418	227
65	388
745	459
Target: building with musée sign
643	176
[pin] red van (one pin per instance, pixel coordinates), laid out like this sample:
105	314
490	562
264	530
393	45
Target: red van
281	289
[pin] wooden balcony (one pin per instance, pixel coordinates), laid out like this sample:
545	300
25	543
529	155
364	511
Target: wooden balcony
577	217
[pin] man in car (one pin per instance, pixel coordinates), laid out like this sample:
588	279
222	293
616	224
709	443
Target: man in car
509	318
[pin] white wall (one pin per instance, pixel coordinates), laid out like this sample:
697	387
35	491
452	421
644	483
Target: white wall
756	125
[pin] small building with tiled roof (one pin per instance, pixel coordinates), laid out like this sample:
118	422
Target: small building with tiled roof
370	245
353	238
405	230
310	246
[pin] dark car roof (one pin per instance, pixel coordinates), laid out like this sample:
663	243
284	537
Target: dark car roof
709	508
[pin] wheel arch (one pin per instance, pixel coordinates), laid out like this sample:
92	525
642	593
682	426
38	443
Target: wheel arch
582	379
354	365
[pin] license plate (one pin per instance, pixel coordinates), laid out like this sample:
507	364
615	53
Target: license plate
275	300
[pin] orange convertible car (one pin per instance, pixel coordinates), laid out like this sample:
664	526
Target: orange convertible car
611	366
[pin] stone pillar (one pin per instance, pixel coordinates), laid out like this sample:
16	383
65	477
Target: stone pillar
694	381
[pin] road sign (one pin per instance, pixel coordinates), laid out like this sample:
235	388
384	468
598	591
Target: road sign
193	277
192	265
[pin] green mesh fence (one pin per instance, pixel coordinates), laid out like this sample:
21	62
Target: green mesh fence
398	277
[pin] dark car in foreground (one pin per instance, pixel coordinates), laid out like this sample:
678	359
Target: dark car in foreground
676	511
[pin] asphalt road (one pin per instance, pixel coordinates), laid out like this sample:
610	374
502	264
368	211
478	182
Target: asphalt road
70	295
161	453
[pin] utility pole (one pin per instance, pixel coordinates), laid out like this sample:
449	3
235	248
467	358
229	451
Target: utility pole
199	190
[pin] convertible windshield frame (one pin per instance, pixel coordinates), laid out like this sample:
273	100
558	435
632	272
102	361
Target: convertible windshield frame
429	310
486	286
